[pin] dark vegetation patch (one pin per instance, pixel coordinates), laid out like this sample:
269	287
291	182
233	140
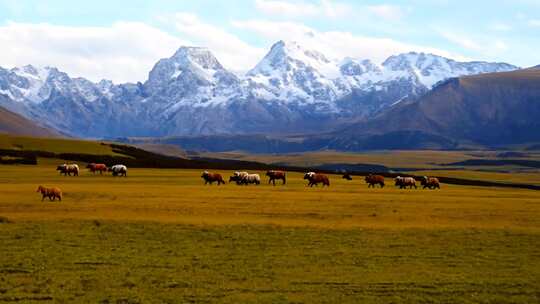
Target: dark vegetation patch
354	167
535	147
496	163
512	154
138	158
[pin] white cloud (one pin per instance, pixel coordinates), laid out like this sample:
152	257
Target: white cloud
230	50
325	8
461	40
486	48
386	11
125	51
335	44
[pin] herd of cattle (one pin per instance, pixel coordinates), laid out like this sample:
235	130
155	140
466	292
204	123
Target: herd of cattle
116	170
245	178
241	178
314	179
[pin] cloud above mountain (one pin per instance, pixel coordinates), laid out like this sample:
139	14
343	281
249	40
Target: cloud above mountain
117	41
236	54
338	44
124	51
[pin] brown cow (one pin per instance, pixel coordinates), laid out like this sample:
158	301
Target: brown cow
316	178
51	193
430	182
273	175
373	180
97	167
209	178
347	176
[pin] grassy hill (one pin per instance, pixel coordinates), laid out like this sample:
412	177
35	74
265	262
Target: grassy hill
12	123
54	145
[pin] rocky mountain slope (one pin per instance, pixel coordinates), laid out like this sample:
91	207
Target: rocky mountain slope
489	109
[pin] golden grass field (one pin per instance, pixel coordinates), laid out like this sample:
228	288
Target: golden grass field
161	236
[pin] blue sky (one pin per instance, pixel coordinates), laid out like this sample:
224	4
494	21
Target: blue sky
121	40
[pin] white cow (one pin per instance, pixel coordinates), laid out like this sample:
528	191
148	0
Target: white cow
118	170
251	179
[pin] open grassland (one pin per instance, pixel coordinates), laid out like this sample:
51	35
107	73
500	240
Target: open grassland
160	236
392	159
399	159
531	177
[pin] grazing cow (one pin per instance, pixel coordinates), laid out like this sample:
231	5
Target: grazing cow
250	179
430	182
316	178
373	180
209	178
273	175
67	169
51	193
237	177
118	170
404	182
97	168
347	176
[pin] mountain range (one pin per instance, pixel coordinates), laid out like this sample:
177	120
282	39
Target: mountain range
494	110
292	90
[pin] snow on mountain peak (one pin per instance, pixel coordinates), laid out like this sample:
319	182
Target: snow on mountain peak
197	55
356	67
29	71
291	80
191	64
429	69
287	56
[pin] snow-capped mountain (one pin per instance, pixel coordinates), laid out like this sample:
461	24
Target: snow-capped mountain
292	89
292	74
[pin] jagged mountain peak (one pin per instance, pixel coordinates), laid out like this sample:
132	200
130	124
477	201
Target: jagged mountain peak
197	64
409	60
429	69
355	67
39	73
199	55
290	55
295	50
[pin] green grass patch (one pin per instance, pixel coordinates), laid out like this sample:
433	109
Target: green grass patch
158	263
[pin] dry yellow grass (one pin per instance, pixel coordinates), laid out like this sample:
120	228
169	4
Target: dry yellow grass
179	196
532	177
161	236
